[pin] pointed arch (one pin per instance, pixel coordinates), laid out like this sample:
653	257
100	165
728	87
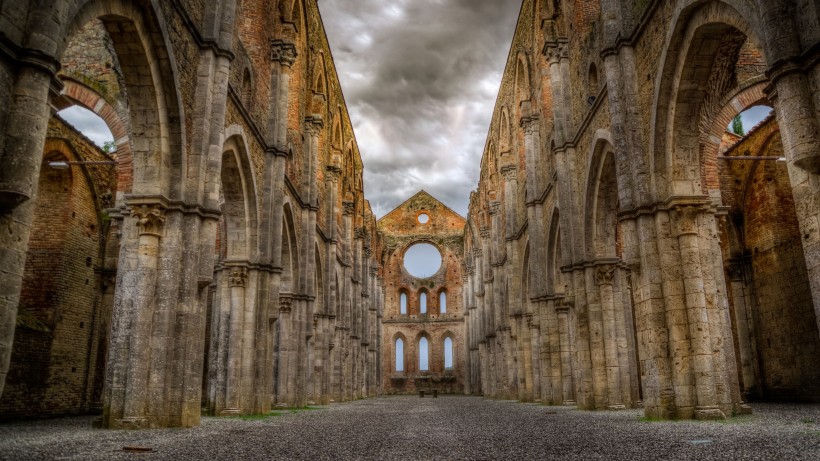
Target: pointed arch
504	132
290	253
148	67
522	79
238	204
602	203
720	27
423	347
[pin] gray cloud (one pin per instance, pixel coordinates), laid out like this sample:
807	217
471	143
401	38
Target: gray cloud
420	78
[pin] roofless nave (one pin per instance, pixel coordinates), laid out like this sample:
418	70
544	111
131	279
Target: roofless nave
621	248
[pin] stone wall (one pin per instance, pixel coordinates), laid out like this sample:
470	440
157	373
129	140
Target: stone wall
593	261
401	229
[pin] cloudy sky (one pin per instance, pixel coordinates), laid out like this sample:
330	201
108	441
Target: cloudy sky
420	78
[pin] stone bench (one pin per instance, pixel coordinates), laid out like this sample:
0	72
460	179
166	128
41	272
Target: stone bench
430	390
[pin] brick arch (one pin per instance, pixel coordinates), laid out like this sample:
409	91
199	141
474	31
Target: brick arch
522	79
504	132
86	97
674	163
743	98
143	49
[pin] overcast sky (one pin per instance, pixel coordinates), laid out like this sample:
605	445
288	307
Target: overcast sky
420	78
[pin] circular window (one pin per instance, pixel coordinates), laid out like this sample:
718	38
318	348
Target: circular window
422	260
424	218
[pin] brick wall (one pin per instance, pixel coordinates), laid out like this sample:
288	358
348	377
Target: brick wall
55	354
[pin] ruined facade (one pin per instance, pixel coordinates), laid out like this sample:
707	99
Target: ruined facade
617	258
620	248
423	344
222	257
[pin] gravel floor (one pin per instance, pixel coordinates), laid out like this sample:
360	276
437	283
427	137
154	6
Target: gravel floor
450	427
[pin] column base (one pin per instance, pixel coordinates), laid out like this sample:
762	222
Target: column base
569	403
742	408
131	423
617	406
230	412
709	413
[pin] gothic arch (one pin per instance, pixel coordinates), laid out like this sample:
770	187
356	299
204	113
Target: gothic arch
504	132
601	206
683	88
290	253
555	281
141	43
239	210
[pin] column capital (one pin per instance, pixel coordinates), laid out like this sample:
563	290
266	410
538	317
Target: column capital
283	52
285	302
333	173
556	50
314	124
348	208
150	218
495	207
685	218
484	231
604	274
238	277
529	123
510	173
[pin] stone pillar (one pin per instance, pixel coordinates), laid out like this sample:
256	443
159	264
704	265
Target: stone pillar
567	381
699	352
604	276
532	358
150	223
236	280
556	52
22	139
285	380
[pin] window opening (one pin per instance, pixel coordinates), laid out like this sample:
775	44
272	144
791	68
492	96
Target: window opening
448	353
423	355
399	354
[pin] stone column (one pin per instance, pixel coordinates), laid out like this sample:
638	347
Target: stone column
556	52
283	55
604	276
742	299
22	138
150	223
533	357
567	381
686	227
285	379
236	280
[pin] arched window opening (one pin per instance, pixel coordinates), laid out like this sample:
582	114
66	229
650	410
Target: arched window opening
423	355
246	89
90	125
423	303
399	355
448	353
592	81
442	302
403	303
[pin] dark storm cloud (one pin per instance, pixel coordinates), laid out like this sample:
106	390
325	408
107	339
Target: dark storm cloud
420	78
